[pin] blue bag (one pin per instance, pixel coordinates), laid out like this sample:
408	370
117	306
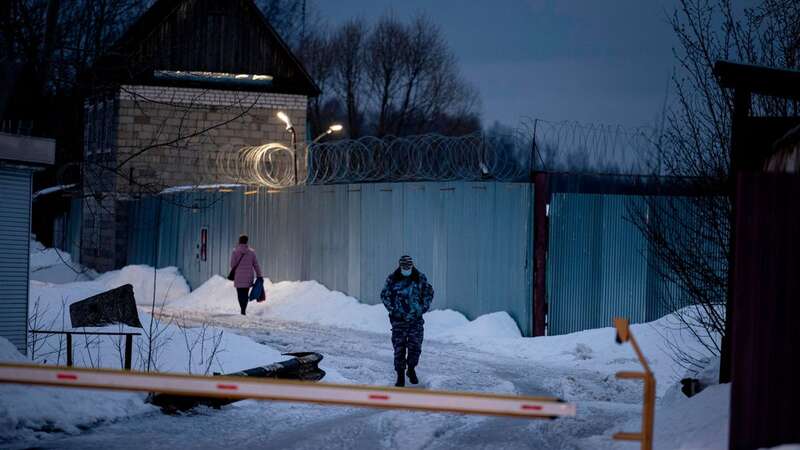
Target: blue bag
257	291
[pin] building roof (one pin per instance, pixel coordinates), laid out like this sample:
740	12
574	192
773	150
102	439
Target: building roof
27	150
207	38
762	80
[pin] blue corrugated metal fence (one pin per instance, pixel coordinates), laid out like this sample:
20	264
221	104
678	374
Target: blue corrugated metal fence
601	266
473	240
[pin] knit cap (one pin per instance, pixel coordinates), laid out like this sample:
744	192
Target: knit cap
406	262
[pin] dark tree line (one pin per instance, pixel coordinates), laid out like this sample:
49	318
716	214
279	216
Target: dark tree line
45	48
389	78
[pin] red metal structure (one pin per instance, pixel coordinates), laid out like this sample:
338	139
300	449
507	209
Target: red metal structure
763	316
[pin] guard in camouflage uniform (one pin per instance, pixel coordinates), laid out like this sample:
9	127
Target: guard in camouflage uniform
407	296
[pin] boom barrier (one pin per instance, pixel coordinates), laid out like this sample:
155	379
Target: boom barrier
289	391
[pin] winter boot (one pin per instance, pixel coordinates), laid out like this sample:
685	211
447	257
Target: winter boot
401	379
412	376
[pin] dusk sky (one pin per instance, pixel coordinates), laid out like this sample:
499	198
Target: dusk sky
590	61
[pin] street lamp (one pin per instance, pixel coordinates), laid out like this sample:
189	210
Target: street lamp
335	128
290	128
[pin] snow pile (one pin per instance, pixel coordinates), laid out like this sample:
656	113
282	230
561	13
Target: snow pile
177	347
42	256
169	282
28	410
306	301
55	265
699	422
597	350
497	325
311	302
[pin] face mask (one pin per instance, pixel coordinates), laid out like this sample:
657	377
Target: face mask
405	272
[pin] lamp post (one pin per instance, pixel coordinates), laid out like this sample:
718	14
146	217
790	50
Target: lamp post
335	128
290	128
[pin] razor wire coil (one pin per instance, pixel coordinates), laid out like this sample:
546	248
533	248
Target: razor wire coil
513	156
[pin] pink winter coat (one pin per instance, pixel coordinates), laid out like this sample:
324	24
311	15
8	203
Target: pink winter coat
244	271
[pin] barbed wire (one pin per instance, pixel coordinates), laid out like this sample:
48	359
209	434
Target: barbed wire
570	146
271	165
429	157
502	154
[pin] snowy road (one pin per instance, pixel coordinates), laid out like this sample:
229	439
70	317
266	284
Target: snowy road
366	358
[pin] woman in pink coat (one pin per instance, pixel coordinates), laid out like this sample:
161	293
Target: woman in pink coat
244	260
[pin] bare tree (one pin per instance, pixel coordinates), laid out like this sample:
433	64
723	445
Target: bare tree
348	74
430	88
316	51
690	235
393	78
384	69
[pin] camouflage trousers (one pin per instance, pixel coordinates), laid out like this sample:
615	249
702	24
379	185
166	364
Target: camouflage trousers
407	343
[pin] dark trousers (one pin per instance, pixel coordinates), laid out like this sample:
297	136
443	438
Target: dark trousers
407	343
242	293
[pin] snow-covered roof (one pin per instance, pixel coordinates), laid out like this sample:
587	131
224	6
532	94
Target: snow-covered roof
198	187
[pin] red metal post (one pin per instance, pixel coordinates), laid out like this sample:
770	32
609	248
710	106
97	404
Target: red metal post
128	351
69	349
541	199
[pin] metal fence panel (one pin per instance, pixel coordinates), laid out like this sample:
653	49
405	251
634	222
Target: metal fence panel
381	236
571	268
354	240
598	262
624	264
471	239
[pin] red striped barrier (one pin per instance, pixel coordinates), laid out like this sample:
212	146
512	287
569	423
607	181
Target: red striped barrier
290	391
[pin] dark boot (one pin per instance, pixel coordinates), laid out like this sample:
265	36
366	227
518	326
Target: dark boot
401	379
412	376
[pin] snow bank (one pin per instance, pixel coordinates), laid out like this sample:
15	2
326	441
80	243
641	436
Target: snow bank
178	346
699	422
26	410
498	325
42	256
306	301
49	264
311	302
597	350
170	284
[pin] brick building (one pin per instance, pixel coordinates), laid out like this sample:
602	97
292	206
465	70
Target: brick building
190	79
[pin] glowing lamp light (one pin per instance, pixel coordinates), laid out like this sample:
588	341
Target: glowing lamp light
335	128
285	119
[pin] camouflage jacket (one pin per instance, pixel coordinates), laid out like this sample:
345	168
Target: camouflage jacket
407	298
